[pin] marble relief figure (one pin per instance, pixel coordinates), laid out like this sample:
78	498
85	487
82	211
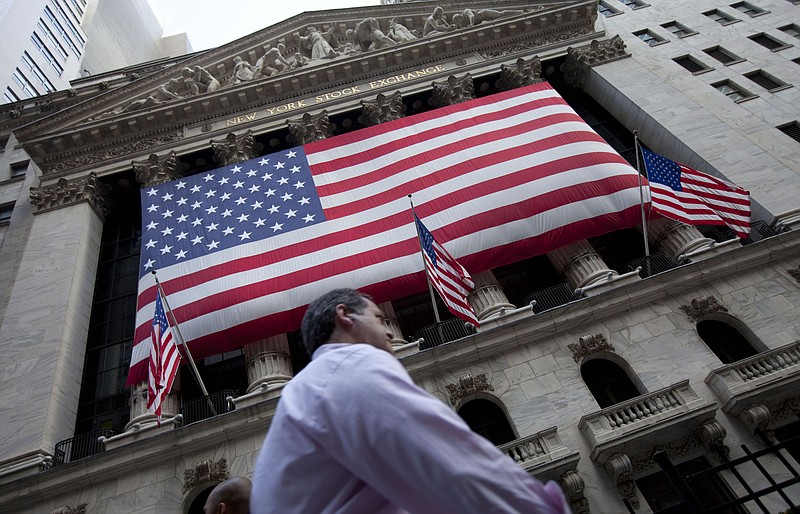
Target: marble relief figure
272	62
399	33
369	35
436	23
316	44
470	18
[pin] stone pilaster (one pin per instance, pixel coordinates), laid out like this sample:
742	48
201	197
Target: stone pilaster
268	362
310	128
392	324
235	148
452	91
382	109
44	329
580	265
676	238
157	170
488	298
523	73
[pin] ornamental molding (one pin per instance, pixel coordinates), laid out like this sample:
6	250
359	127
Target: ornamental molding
157	170
572	484
789	408
235	148
619	469
580	59
310	128
111	151
79	509
205	471
522	73
452	91
468	385
758	419
543	39
384	108
588	345
701	307
711	435
72	192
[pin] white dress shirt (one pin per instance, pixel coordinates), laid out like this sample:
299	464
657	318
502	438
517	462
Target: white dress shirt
353	435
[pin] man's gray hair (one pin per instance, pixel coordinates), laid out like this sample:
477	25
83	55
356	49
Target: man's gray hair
320	317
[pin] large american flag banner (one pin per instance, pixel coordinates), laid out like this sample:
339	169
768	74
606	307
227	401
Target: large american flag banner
163	362
242	250
446	275
695	198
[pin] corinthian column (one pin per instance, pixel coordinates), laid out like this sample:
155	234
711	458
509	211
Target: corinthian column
580	265
674	237
488	298
268	362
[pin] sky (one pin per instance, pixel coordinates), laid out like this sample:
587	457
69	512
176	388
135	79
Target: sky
211	23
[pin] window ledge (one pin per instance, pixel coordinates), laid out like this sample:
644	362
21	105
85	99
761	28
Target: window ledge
741	100
731	22
640	7
737	61
690	34
784	47
780	88
11	180
756	15
660	43
703	71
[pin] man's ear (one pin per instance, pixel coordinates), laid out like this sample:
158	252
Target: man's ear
222	508
343	315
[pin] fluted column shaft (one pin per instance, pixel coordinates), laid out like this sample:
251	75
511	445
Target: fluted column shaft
674	237
392	324
580	264
488	298
169	407
268	362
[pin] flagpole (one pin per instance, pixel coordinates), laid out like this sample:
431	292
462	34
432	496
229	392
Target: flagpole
641	193
182	343
424	266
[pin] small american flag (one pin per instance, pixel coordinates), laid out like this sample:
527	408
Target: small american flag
687	195
164	360
447	276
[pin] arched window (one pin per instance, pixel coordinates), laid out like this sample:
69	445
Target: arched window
199	501
608	382
487	419
727	343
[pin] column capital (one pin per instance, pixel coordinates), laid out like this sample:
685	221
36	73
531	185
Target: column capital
71	192
581	59
522	73
310	128
383	108
235	148
452	91
157	170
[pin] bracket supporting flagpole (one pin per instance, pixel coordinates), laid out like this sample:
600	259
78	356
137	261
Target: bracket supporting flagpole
182	344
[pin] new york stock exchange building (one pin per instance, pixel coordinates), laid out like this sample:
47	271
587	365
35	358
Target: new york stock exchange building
642	378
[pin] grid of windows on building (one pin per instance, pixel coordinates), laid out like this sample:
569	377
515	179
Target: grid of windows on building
720	17
60	29
678	30
648	37
748	9
722	55
765	80
768	42
70	25
52	38
731	90
9	96
634	4
37	72
691	64
606	10
24	84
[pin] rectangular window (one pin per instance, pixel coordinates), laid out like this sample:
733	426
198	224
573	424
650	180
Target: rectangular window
678	30
606	10
68	23
692	64
37	72
722	55
749	9
22	81
19	168
634	4
792	130
765	80
10	96
52	38
792	30
732	91
48	55
769	42
5	212
649	38
720	17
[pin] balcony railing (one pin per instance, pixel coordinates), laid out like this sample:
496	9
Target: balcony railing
656	263
80	446
758	230
644	420
762	377
199	409
442	332
551	297
535	449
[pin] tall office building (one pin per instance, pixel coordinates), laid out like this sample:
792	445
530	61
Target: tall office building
48	43
641	383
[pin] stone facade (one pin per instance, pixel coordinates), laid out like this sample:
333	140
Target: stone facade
530	365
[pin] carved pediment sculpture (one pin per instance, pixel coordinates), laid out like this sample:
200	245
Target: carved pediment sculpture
316	44
369	35
399	33
470	18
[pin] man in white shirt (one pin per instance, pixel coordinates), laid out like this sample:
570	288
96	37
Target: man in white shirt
353	435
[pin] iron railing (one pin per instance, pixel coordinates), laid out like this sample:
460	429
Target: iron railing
551	297
758	230
656	263
442	332
199	409
80	446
